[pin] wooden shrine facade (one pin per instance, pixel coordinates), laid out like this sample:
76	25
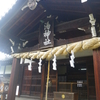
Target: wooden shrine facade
54	27
34	84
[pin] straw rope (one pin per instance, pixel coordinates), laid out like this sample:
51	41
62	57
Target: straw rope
61	50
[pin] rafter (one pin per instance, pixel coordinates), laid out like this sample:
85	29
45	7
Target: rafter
35	23
9	18
31	22
17	20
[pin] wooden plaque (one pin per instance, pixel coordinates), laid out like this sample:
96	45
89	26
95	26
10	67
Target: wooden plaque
46	33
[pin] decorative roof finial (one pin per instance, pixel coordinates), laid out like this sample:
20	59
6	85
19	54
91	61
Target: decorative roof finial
32	4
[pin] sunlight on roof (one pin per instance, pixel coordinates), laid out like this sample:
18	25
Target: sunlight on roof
5	6
4	56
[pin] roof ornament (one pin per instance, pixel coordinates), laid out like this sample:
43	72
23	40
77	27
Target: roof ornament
32	4
13	43
93	21
49	16
19	45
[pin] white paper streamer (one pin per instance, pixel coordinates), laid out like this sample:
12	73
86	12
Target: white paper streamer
54	63
21	60
17	90
40	64
72	57
30	65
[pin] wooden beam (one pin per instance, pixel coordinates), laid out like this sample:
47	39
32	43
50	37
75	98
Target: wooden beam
30	49
66	7
13	79
40	13
68	41
12	14
87	8
75	24
23	22
36	22
96	60
67	10
63	1
18	20
36	33
59	13
90	8
58	43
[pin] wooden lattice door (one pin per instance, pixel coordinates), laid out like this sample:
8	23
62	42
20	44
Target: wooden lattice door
36	81
26	83
31	84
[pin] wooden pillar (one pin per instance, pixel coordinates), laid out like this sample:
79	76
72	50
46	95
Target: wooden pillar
42	81
13	79
21	77
96	60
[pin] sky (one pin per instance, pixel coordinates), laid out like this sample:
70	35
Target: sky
5	6
4	56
